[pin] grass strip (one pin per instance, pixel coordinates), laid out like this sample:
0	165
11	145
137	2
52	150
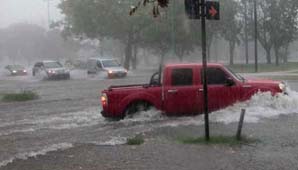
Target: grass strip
19	97
136	140
217	140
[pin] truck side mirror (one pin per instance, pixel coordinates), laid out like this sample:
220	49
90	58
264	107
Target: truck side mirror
230	82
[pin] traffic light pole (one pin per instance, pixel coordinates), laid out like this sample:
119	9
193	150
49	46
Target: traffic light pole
256	35
204	60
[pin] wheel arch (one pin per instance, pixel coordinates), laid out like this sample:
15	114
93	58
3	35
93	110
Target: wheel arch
141	97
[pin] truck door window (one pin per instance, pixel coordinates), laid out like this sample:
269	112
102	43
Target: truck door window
215	76
182	77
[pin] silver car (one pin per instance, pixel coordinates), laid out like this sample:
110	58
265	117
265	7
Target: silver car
110	66
50	70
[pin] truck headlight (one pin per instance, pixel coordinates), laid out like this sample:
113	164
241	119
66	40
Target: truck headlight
282	86
110	71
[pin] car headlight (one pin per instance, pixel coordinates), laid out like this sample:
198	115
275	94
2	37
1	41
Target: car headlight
14	71
110	71
51	71
282	86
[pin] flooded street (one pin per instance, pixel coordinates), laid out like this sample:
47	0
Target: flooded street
68	114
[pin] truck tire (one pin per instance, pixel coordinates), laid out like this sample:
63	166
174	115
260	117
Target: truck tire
136	107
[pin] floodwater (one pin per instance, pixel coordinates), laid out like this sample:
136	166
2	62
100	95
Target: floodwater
68	114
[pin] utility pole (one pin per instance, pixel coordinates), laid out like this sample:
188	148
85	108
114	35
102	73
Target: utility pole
201	9
204	60
256	35
245	30
49	12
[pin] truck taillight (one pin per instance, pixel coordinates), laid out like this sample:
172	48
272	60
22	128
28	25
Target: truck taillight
104	99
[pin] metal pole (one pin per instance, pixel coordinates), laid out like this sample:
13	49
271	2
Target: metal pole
240	125
245	30
204	60
173	28
256	35
49	15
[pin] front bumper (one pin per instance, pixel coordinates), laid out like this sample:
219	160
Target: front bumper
59	76
19	74
116	74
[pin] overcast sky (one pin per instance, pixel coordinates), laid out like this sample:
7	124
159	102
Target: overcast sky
29	11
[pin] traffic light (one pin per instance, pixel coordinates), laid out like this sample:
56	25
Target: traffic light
192	9
212	10
163	3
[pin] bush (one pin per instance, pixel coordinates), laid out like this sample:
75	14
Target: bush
19	97
137	140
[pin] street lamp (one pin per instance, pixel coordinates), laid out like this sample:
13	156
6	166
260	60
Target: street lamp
49	14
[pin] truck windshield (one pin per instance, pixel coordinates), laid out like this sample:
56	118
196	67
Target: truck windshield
237	76
110	63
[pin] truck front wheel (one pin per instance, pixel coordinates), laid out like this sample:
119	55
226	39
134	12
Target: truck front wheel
137	107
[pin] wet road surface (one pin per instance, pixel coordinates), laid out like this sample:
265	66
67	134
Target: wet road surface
68	116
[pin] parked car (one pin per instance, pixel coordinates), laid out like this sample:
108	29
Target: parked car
50	70
16	70
110	66
179	91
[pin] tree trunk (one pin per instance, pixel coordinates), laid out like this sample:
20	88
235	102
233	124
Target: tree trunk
286	54
209	43
101	48
232	47
208	53
268	55
128	52
134	58
276	50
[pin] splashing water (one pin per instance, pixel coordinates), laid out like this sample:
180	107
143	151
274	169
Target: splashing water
261	105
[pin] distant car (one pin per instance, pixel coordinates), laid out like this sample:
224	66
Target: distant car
50	70
110	66
16	70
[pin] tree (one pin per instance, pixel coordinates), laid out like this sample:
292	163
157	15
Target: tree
109	19
230	25
284	25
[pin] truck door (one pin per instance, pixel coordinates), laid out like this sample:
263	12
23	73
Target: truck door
220	93
181	92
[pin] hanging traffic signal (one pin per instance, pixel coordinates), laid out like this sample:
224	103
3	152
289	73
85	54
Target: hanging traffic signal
212	10
192	9
163	3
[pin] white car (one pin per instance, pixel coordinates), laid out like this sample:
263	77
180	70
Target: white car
110	66
50	70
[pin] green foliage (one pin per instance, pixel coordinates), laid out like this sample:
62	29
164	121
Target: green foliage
136	140
19	97
217	140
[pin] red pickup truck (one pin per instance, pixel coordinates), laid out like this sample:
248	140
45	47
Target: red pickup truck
179	91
